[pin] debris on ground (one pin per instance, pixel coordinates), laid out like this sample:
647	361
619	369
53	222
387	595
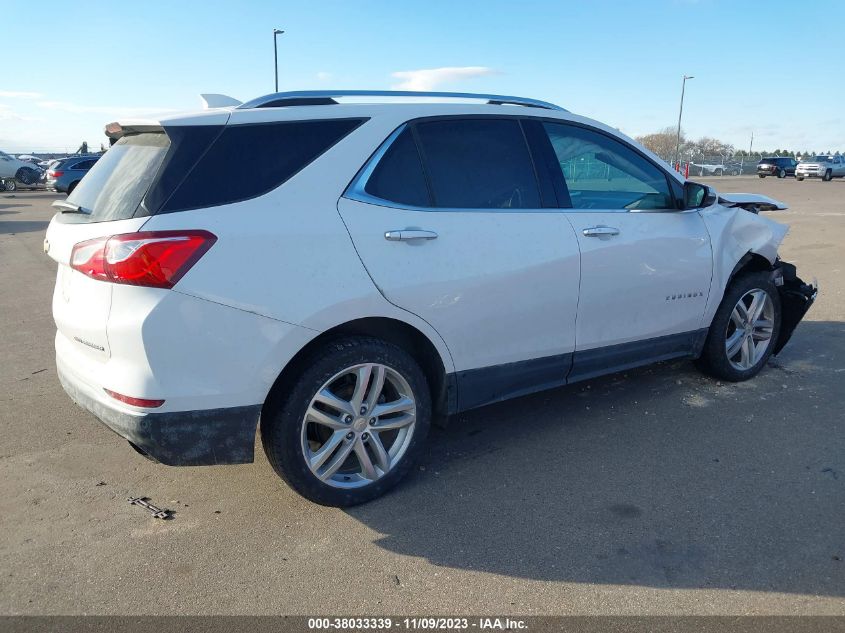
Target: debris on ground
144	502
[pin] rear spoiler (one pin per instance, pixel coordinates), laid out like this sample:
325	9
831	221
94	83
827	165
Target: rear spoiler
119	129
753	202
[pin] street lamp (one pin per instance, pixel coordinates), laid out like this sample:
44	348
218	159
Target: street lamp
680	114
276	33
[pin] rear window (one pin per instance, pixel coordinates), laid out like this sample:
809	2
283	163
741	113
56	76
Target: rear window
116	184
768	161
246	161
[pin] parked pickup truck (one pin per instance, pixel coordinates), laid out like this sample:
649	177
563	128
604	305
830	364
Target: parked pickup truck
824	166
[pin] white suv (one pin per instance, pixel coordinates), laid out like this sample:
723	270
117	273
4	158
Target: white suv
347	272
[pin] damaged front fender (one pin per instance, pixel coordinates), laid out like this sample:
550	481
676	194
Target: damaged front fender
738	233
734	233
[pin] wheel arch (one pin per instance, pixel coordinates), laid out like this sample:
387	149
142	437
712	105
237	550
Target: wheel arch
750	262
391	330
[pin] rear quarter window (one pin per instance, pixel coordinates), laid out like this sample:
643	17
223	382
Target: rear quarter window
246	161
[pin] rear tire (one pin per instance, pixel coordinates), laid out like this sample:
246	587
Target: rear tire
72	187
781	174
327	448
744	329
11	185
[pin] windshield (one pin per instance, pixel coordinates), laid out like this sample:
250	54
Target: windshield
815	159
116	184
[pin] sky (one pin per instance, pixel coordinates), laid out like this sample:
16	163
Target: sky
774	68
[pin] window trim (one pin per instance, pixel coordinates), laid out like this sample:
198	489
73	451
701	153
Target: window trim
356	190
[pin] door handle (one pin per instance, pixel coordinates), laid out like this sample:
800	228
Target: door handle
599	231
406	235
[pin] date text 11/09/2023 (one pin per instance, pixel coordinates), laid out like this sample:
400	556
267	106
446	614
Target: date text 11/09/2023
419	623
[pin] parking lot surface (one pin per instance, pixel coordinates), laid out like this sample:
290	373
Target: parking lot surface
657	491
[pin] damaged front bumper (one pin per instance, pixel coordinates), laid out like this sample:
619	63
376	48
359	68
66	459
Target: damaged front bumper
796	297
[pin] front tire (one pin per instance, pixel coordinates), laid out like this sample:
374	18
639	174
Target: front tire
744	329
761	175
828	176
351	425
799	178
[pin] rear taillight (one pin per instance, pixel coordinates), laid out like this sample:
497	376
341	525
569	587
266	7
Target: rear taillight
55	174
157	259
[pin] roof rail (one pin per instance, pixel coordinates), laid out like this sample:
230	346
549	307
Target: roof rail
327	97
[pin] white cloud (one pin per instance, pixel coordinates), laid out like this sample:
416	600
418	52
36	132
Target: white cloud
75	108
7	114
430	78
324	76
13	94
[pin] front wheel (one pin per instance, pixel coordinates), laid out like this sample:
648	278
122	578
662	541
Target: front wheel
352	424
799	178
828	176
744	329
761	175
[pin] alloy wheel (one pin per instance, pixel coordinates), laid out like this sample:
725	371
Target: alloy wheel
750	328
358	425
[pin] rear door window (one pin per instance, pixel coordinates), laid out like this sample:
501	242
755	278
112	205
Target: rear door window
603	173
84	164
398	177
478	164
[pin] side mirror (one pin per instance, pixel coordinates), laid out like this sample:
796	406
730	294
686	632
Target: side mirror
697	195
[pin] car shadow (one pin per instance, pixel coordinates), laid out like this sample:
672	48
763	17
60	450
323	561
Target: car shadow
8	227
659	477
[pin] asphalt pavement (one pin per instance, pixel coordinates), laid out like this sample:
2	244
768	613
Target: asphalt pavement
656	491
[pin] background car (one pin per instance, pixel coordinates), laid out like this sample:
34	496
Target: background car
780	166
13	169
821	166
66	173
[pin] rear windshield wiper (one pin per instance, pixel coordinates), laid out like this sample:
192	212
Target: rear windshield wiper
66	207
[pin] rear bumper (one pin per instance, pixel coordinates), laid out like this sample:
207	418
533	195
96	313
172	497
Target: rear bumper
177	438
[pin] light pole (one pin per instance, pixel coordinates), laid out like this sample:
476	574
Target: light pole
680	114
276	33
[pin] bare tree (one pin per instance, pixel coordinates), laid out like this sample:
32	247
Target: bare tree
663	142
